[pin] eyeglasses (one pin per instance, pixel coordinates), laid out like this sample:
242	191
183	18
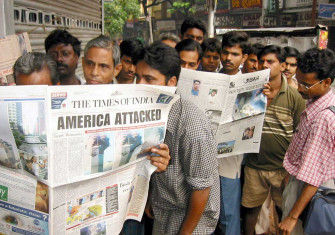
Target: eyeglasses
304	87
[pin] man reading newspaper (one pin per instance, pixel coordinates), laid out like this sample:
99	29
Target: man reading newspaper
185	198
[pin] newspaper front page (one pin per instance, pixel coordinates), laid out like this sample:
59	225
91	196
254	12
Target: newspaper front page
11	47
86	146
92	131
234	104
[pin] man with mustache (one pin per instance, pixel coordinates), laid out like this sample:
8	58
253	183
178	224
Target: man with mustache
234	45
65	50
292	55
251	63
127	73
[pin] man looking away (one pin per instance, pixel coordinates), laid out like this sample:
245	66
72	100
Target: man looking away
210	59
193	29
190	53
65	50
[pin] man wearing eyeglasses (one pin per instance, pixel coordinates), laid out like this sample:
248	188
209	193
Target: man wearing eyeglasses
310	157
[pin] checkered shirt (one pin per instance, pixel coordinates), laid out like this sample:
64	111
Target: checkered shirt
193	166
311	154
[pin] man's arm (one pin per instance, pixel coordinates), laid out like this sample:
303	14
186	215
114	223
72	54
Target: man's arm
197	204
288	223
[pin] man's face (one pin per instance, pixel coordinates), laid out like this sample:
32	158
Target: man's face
196	86
128	69
189	59
270	61
232	58
213	93
99	67
42	77
309	79
210	61
195	34
66	59
251	64
147	75
291	67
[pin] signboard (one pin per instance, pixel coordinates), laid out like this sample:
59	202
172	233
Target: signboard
166	25
297	3
251	20
228	21
327	11
245	4
322	39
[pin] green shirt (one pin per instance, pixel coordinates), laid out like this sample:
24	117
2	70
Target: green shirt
281	120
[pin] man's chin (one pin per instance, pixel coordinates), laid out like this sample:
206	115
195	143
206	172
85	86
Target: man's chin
93	82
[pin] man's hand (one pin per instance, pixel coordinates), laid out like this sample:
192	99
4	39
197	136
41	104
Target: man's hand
287	225
266	89
148	210
161	158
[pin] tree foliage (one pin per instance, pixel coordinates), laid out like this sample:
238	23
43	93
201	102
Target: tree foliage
117	12
183	7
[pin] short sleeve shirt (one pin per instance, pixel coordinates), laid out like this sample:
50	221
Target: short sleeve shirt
193	166
281	119
311	154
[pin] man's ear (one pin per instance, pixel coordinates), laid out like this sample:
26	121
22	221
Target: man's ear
172	81
117	69
82	61
282	66
328	82
244	58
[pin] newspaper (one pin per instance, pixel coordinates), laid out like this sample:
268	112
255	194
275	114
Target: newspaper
11	47
84	145
235	105
24	204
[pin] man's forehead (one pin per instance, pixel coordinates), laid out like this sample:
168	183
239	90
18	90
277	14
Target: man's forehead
67	46
269	56
236	47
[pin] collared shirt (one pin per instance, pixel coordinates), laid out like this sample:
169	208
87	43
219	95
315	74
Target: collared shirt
311	154
281	119
193	166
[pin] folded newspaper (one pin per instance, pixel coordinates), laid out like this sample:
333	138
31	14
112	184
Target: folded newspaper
234	104
75	156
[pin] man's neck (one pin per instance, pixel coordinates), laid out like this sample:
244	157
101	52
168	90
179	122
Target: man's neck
69	80
122	80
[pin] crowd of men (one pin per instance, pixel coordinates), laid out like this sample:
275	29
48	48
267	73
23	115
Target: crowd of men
192	191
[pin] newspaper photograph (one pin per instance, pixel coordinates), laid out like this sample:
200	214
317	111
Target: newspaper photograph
101	205
93	131
235	106
23	117
24	204
11	47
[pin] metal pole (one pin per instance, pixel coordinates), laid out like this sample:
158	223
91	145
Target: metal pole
211	11
313	13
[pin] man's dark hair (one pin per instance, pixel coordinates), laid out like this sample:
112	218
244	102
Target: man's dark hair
62	36
35	62
291	52
272	49
161	57
233	38
194	81
189	45
130	46
321	62
211	45
191	23
254	48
